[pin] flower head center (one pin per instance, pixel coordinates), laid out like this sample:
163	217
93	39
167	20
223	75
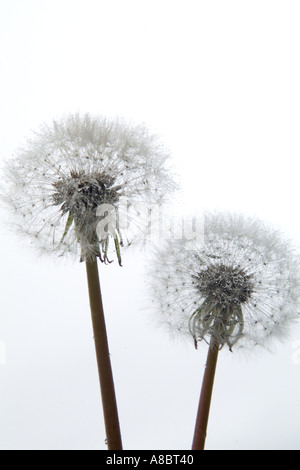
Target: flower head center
81	192
224	290
224	285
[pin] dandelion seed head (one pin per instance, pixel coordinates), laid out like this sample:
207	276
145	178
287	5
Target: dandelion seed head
240	287
69	168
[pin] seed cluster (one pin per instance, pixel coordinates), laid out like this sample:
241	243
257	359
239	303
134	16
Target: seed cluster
240	287
224	285
83	193
224	290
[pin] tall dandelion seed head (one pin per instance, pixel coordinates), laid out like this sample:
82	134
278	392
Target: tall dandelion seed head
240	288
68	169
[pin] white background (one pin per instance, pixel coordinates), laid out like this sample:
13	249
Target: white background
219	81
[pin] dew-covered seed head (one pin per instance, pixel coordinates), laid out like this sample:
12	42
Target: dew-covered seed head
240	287
68	169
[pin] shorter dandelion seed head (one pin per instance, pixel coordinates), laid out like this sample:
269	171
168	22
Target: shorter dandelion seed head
240	288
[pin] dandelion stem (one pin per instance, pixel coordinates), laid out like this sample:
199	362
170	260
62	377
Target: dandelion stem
205	397
109	403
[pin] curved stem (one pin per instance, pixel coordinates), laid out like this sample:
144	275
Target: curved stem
109	403
205	397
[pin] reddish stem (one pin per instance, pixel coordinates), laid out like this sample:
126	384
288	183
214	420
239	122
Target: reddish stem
109	403
205	397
